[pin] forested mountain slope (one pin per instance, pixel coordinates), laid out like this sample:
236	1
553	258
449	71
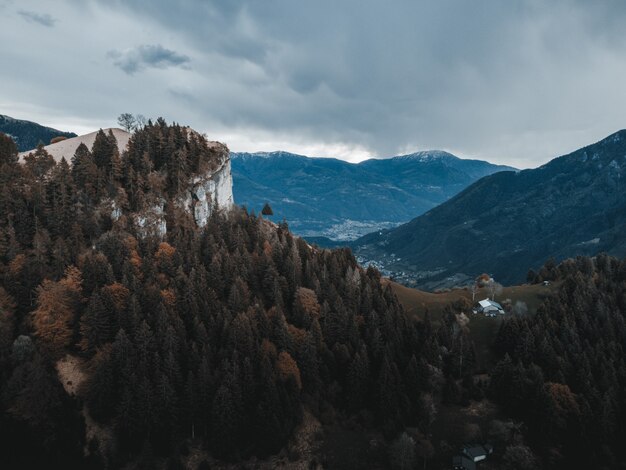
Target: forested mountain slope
217	336
27	135
563	371
213	342
509	222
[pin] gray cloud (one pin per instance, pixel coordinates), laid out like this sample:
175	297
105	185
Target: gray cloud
44	19
514	82
145	56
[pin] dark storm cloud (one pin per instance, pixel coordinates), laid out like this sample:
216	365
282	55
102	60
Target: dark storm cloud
517	81
141	57
43	19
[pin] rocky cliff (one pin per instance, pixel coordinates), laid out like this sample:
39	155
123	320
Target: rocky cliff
206	184
212	189
209	190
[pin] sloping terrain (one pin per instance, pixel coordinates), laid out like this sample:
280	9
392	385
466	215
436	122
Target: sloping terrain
67	148
27	134
509	222
341	200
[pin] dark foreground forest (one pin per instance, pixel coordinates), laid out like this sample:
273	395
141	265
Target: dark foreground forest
223	338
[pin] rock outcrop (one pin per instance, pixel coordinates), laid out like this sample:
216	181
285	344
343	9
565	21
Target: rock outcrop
208	190
211	190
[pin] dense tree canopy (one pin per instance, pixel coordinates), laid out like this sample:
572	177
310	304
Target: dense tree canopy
228	334
223	334
563	371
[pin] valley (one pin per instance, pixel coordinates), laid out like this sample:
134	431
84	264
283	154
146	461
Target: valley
341	201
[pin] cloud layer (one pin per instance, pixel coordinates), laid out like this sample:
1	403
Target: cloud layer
514	82
141	57
44	19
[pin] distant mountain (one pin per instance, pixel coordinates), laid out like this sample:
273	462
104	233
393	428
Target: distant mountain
340	200
511	221
27	134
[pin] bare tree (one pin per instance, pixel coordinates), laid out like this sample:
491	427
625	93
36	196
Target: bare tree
140	121
494	288
127	121
474	291
520	308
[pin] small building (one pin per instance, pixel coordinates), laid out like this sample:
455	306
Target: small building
489	308
461	462
477	453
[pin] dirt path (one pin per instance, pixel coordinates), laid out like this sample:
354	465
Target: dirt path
71	375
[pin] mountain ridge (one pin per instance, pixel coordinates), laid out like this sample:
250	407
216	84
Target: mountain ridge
510	221
28	134
342	200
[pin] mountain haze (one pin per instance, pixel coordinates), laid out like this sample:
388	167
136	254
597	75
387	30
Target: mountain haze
511	221
341	200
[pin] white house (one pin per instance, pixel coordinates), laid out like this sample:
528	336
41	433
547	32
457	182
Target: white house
489	308
477	453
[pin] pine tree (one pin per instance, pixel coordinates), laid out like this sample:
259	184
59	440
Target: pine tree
267	209
97	325
8	150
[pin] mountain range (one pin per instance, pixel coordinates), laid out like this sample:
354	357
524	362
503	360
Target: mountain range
472	216
27	135
511	221
340	200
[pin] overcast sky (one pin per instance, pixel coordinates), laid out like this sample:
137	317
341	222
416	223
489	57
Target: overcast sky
515	82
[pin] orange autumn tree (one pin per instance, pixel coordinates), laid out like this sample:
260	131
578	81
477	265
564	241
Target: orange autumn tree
57	304
287	368
118	295
165	258
306	305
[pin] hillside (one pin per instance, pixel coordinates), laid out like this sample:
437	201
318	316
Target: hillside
27	134
223	341
67	148
340	200
509	222
211	340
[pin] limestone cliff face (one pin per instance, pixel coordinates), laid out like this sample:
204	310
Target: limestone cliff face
211	190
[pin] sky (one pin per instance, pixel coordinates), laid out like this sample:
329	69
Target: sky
513	82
